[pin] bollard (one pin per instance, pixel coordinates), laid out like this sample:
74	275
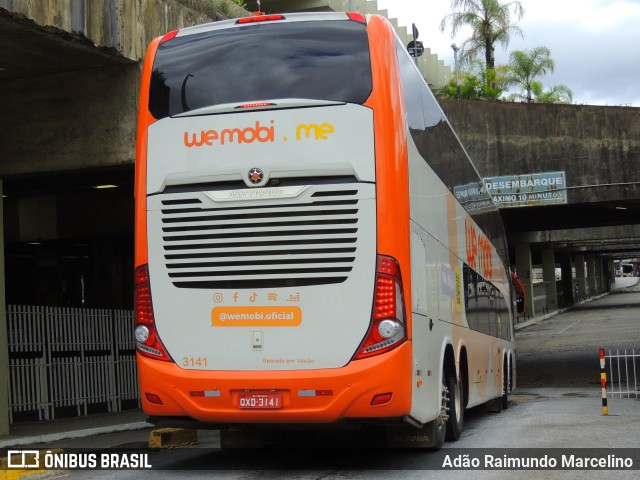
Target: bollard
603	381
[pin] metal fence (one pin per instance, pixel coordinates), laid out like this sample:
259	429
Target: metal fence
70	362
624	368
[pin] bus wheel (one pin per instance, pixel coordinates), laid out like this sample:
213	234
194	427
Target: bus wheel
456	410
443	418
506	385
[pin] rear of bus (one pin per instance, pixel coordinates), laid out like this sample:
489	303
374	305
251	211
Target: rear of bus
272	231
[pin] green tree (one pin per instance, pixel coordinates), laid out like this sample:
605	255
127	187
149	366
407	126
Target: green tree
478	83
526	66
491	24
470	88
556	94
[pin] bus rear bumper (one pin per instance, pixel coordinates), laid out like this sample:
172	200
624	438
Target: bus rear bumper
301	396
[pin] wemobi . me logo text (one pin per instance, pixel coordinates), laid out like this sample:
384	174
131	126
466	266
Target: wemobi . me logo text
258	133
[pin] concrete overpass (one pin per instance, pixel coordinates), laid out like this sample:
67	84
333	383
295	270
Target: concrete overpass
69	75
597	149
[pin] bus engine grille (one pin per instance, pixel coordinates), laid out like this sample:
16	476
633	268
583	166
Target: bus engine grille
280	243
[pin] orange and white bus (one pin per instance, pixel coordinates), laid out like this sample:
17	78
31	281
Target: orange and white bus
313	244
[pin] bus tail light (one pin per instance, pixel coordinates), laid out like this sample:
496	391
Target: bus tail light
256	105
387	329
357	17
147	340
259	18
168	36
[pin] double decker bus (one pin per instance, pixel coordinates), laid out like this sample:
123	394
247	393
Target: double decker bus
313	244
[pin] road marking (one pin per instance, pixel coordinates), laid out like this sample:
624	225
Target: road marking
565	329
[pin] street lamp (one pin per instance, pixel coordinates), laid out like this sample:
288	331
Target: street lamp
455	63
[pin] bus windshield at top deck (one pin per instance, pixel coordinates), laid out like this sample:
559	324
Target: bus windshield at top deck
318	60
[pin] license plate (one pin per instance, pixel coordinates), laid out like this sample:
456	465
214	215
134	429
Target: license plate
260	400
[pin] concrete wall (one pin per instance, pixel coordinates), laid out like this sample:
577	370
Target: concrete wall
127	26
69	121
594	145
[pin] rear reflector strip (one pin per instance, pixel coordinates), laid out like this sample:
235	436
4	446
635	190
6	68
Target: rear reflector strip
382	398
153	398
205	393
315	393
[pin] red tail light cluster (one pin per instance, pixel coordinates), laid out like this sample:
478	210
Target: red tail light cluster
148	342
388	328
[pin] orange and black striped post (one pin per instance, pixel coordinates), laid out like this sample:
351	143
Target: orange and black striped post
603	381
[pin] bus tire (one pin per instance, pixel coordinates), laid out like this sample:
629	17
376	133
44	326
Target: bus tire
456	410
506	385
440	423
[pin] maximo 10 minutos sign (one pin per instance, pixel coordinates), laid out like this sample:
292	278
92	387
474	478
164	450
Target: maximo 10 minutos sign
533	189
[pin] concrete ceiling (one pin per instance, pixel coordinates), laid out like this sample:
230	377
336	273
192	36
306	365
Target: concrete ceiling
610	229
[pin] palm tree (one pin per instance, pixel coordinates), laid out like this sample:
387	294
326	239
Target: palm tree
491	24
556	94
526	66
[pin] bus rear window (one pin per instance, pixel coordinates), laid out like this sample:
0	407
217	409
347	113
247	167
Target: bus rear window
318	60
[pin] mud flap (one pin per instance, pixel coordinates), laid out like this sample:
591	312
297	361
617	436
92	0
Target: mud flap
493	406
407	436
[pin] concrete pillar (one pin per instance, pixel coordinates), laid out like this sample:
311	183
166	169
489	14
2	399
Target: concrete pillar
599	275
581	280
591	276
611	274
567	280
4	343
523	269
549	278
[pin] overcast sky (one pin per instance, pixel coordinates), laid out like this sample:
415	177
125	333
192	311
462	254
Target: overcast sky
595	43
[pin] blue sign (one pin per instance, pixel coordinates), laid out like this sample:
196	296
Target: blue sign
534	189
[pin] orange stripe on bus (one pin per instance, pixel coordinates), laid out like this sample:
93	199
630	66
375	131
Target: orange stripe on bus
140	190
392	169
